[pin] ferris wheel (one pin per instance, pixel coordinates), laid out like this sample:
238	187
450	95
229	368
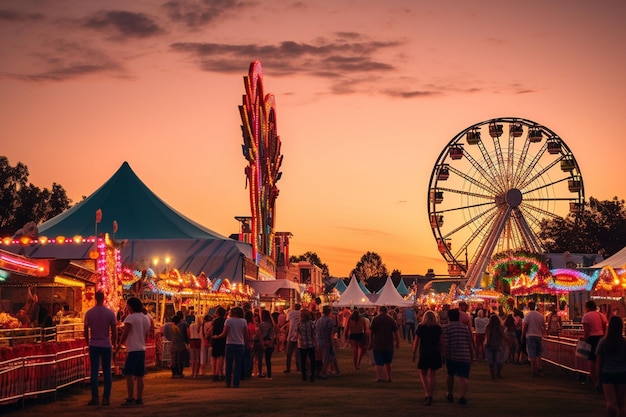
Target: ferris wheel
491	187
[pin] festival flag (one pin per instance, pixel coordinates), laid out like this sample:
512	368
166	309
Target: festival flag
98	215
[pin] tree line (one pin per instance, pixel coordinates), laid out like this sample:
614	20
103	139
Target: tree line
22	202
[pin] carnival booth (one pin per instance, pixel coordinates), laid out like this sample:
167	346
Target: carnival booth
610	287
154	243
130	230
608	291
527	276
275	293
41	336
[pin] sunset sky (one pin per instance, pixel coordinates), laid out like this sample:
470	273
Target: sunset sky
368	94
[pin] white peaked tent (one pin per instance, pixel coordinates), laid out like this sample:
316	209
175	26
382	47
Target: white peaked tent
353	296
389	296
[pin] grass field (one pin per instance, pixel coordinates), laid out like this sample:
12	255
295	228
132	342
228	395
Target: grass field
355	393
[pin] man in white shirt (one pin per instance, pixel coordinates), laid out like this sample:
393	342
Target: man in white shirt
293	320
134	336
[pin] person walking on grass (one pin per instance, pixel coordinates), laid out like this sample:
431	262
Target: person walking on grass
267	330
496	342
325	328
384	332
291	325
306	343
458	348
134	336
480	325
594	327
428	337
611	367
100	335
356	335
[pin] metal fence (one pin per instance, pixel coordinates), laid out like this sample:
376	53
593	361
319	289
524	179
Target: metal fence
561	351
31	375
28	376
58	333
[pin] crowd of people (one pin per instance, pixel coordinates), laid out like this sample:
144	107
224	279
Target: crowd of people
236	344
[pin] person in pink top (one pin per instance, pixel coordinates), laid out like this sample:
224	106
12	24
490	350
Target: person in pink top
594	326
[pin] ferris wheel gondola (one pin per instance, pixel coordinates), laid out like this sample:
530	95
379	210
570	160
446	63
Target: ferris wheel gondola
491	187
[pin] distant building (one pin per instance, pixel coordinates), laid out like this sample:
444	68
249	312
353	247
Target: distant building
439	283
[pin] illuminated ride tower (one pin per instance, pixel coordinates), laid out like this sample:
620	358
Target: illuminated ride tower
261	148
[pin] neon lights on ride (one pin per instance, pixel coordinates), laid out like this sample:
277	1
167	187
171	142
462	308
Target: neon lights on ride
261	148
23	266
43	240
566	280
611	278
511	266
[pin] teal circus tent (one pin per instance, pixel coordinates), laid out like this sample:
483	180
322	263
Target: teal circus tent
150	227
340	286
140	214
402	289
364	288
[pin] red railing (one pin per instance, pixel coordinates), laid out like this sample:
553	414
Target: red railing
27	370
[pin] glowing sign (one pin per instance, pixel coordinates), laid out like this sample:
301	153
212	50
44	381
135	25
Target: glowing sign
21	265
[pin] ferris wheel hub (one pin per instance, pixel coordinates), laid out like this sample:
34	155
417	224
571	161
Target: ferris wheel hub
514	197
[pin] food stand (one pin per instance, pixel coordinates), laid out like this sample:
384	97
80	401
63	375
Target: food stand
37	355
609	289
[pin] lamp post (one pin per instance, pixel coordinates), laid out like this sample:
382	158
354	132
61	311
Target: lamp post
160	305
155	263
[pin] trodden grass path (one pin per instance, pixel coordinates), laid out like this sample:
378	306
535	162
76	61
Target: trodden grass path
355	393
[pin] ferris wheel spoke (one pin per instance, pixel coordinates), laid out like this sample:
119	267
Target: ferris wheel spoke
500	159
470	221
531	165
488	186
510	161
547	185
539	173
475	234
490	165
467	193
521	161
448	210
529	209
